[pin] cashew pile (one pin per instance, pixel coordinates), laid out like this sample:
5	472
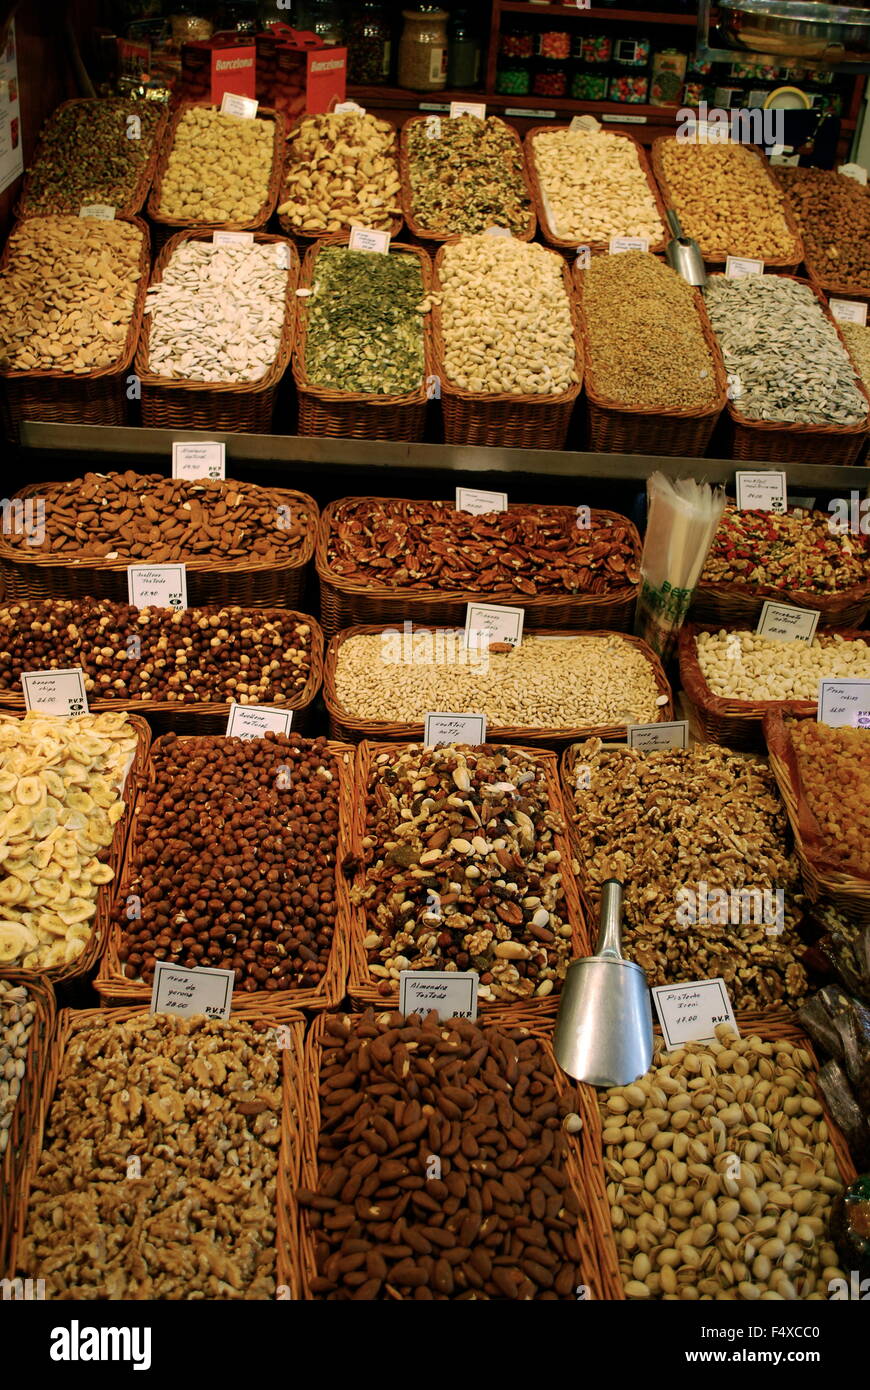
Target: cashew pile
219	167
60	800
721	1174
743	665
342	168
571	683
505	317
594	187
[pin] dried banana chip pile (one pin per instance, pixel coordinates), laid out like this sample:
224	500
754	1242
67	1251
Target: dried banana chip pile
60	800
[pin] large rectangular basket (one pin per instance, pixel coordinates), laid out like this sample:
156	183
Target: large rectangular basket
249	582
353	414
363	987
500	419
291	1029
247	407
308	234
347	602
19	1134
582	1170
96	397
113	986
345	725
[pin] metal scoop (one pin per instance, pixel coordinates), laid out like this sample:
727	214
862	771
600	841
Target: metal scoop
604	1029
683	254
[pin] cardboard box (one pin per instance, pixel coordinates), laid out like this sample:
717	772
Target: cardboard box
297	73
211	67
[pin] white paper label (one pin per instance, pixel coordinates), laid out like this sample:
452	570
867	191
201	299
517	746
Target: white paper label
692	1012
368	239
478	503
98	210
157	586
55	692
848	310
497	231
468	108
738	266
625	119
452	993
486	623
651	738
844	703
454	728
787	624
232	105
790	160
201	991
628	243
253	721
199	461
853	171
433	127
762	492
585	123
345	106
528	113
232	239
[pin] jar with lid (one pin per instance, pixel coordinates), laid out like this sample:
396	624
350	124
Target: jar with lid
550	78
323	18
463	51
423	50
514	77
516	41
369	44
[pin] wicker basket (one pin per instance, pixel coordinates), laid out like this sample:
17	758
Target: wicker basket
822	878
346	602
115	988
593	1224
353	414
165	226
719	258
250	583
344	725
82	966
363	987
70	1021
740	605
97	397
208	716
139	192
732	722
593	1149
634	429
503	420
234	406
20	1133
305	235
406	194
541	208
771	441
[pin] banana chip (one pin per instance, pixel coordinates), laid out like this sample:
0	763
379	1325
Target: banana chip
13	890
15	939
29	791
44	823
79	801
53	784
16	822
100	873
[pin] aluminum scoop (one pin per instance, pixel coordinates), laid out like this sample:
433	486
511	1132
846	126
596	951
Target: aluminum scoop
604	1029
684	255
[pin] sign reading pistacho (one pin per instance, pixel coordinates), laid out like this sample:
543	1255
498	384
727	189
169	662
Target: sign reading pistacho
691	1012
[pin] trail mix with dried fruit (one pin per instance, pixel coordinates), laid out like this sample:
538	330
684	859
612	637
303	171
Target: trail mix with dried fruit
159	1169
462	870
441	1164
721	1174
430	545
469	177
699	837
794	550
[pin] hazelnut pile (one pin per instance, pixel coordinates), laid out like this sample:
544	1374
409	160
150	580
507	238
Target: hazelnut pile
234	861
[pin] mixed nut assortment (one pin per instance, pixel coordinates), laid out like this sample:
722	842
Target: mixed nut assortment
834	769
61	786
342	168
233	861
528	550
249	656
494	1216
466	176
742	665
219	168
460	869
797	551
91	153
833	214
727	200
17	1016
594	187
162	1154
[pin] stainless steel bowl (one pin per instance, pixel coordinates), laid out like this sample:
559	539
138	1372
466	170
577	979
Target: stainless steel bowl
825	33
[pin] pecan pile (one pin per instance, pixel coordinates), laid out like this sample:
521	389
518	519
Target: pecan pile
462	870
529	550
159	1170
700	839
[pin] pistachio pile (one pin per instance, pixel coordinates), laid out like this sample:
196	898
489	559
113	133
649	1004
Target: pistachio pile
218	169
67	293
91	152
341	168
506	318
17	1013
594	187
364	322
469	177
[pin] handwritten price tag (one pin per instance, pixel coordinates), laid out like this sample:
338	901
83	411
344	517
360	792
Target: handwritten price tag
478	503
844	703
848	310
762	492
692	1012
232	239
157	586
628	243
486	623
368	239
55	692
452	993
253	721
738	266
468	108
454	728
199	461
652	738
232	105
787	624
200	991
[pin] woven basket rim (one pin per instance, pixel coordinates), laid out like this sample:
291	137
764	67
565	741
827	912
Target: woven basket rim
281	360
20	1131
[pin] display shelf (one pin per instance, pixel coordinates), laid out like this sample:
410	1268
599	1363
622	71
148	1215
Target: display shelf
596	14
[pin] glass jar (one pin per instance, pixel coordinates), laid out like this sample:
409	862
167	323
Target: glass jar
463	52
554	43
513	78
323	18
369	45
516	41
423	50
550	78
